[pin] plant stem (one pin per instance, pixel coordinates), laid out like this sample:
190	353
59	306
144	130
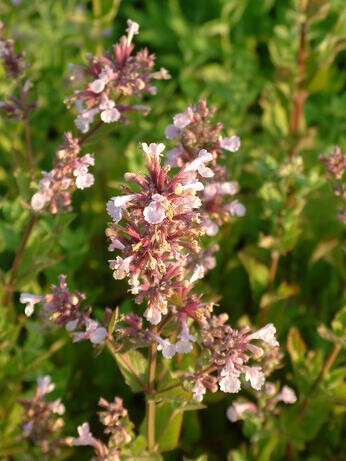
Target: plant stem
89	133
150	404
26	130
15	266
300	97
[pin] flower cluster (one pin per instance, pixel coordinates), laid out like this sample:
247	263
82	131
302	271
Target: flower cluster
69	172
63	308
267	402
336	167
117	425
194	131
13	63
157	229
160	224
14	66
42	420
111	78
230	351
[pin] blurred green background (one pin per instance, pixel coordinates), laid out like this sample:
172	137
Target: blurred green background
242	56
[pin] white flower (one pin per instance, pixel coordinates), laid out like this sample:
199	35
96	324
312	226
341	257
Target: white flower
230	381
171	132
44	385
232	144
57	407
30	300
162	74
71	325
266	334
116	205
221	188
85	436
84	119
184	345
116	244
183	119
255	376
120	266
198	391
287	395
132	29
210	228
173	157
97	86
98	335
198	273
153	151
39	200
236	208
153	315
110	115
237	410
199	164
84	181
195	186
155	212
168	349
94	332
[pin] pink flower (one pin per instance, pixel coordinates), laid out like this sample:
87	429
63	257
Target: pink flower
94	332
287	395
198	273
266	334
30	300
171	131
199	164
255	376
98	85
120	266
232	144
132	29
44	386
198	391
153	151
230	382
184	345
155	212
238	409
85	436
183	119
235	208
116	205
153	315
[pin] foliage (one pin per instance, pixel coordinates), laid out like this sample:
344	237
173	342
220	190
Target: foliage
275	71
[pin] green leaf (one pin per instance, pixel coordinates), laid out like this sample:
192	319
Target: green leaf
168	421
295	345
138	363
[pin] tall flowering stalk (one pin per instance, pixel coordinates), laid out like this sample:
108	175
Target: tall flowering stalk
155	227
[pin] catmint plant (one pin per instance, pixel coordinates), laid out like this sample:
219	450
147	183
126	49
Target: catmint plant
155	226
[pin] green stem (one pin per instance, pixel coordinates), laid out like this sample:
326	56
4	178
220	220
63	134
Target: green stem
15	266
150	404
